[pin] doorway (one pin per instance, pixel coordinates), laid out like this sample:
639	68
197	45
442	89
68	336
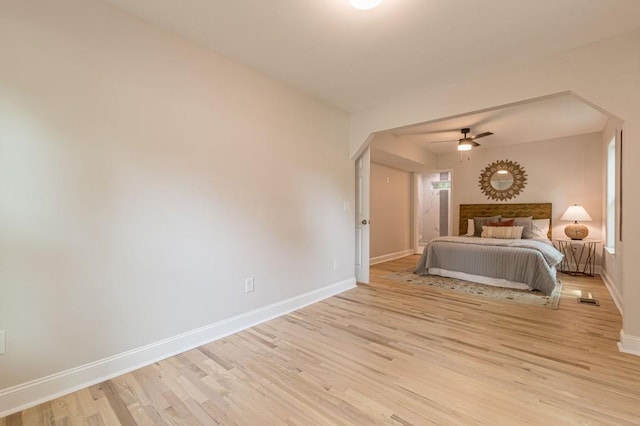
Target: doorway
433	207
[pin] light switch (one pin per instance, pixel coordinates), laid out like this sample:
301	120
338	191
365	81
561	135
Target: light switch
3	346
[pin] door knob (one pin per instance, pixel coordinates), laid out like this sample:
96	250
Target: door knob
364	221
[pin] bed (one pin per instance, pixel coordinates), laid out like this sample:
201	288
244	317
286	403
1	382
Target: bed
515	262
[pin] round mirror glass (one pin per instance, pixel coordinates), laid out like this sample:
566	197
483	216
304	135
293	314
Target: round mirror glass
501	180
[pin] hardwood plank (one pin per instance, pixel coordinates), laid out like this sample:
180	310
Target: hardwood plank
386	353
116	402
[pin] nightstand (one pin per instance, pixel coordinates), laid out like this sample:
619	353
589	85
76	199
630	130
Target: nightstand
579	255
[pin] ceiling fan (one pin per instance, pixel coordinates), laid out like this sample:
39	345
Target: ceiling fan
467	143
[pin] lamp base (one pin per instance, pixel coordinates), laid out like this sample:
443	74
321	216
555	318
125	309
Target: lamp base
575	231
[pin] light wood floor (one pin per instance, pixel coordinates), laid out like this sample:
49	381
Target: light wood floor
386	353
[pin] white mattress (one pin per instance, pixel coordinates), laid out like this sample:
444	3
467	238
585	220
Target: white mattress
498	282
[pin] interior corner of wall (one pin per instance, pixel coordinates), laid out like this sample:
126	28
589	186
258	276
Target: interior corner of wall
629	344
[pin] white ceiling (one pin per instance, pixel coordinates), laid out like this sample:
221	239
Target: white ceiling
537	120
356	59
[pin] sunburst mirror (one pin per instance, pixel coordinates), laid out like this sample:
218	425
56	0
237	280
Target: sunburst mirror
502	180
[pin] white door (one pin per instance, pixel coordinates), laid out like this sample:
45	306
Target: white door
363	168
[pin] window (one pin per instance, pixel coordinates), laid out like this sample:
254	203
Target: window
611	195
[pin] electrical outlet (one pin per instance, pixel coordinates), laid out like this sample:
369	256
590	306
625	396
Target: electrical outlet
249	285
3	346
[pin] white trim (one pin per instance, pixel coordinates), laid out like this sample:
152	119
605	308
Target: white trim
629	344
613	290
25	395
390	256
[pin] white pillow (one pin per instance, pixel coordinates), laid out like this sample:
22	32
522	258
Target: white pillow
470	228
506	232
540	228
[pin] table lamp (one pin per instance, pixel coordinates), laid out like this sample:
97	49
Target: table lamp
576	231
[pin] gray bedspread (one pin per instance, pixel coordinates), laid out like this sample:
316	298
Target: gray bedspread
531	262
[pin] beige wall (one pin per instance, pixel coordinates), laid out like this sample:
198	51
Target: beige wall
561	171
606	73
142	179
390	210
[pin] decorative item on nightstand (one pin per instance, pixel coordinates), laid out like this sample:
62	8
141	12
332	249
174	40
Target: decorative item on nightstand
576	231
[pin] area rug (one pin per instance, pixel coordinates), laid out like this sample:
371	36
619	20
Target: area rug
523	297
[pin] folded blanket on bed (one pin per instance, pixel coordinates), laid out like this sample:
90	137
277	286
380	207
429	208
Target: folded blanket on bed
527	261
550	253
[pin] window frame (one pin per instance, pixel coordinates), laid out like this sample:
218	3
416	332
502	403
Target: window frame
611	195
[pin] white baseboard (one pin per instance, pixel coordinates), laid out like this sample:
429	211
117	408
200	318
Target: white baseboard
390	256
629	344
613	290
25	395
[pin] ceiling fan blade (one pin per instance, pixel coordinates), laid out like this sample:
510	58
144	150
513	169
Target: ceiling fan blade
481	135
475	144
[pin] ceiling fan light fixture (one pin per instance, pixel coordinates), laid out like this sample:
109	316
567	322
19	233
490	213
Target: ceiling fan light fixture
465	145
364	4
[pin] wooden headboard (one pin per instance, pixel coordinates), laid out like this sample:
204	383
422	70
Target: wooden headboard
537	210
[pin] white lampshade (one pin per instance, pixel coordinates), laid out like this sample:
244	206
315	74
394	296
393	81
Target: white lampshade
576	213
364	4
